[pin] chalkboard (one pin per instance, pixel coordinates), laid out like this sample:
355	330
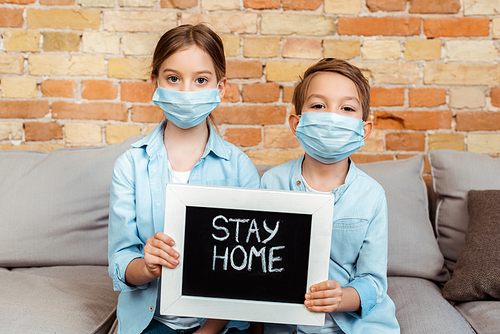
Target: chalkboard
245	254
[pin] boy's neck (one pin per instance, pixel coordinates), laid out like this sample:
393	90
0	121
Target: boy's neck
324	177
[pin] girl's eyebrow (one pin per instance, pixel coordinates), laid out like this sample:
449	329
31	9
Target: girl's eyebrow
199	72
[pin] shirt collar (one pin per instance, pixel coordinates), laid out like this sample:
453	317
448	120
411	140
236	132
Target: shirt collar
153	142
339	191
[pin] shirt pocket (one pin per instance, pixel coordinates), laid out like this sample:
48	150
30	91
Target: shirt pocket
226	182
348	236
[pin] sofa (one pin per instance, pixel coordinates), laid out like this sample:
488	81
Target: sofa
53	241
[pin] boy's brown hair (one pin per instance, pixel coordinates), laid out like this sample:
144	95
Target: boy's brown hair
337	66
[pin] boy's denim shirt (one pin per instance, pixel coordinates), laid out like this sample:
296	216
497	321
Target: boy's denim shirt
137	210
358	256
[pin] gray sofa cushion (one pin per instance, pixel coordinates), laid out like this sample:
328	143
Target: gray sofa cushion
74	299
454	174
482	315
413	250
420	308
55	205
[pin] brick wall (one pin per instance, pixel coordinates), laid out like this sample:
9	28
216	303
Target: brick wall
74	72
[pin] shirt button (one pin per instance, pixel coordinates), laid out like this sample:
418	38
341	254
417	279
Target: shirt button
151	308
298	183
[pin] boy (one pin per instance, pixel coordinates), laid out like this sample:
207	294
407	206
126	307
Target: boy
332	108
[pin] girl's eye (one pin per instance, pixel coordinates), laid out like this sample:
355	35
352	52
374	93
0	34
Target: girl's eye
201	81
318	106
173	79
348	109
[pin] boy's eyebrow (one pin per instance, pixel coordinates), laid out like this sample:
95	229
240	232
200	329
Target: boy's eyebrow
344	98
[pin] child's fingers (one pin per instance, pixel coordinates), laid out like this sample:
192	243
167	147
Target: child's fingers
325	285
158	251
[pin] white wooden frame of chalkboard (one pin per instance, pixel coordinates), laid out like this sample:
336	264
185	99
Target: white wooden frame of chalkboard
178	196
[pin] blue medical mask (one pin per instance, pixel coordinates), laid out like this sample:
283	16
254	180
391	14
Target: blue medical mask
329	137
186	109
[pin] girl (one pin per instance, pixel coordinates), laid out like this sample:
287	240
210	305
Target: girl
188	73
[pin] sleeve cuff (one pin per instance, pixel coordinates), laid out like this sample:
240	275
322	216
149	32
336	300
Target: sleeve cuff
367	297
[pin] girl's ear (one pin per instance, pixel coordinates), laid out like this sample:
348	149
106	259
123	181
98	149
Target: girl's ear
368	126
222	87
154	82
293	121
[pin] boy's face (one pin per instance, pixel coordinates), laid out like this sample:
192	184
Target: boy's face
332	92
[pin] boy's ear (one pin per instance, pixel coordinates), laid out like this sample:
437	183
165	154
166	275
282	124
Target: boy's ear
368	126
293	121
222	87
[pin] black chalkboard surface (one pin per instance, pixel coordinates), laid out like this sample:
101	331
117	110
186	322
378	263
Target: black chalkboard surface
243	254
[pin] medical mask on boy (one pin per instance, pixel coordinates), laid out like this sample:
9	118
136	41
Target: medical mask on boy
186	109
329	137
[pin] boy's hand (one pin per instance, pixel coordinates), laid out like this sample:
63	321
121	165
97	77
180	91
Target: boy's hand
158	252
324	297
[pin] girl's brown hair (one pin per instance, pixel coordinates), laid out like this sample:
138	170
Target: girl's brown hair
337	66
184	36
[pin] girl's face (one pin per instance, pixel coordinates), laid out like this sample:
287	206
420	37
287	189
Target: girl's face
190	69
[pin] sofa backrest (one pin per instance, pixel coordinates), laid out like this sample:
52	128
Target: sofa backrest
54	205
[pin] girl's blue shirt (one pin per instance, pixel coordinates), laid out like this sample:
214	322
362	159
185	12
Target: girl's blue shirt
358	256
137	210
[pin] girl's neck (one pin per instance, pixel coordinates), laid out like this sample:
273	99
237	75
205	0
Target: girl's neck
324	177
185	146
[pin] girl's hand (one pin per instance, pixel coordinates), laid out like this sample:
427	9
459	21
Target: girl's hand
324	297
158	252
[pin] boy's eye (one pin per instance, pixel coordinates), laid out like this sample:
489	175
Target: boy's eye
317	106
348	109
201	81
173	79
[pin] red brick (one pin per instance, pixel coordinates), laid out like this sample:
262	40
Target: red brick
232	93
43	131
387	96
412	120
262	4
405	141
57	2
243	69
478	121
427	97
96	110
244	137
11	18
24	109
99	90
58	88
250	114
386	5
136	91
434	6
361	158
260	92
301	4
147	114
373	26
495	97
288	93
178	4
427	166
457	27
